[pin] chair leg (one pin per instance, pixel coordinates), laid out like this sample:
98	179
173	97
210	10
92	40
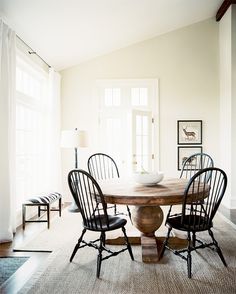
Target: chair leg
103	240
189	257
218	250
168	214
115	209
194	240
127	243
39	211
129	214
165	243
100	249
77	245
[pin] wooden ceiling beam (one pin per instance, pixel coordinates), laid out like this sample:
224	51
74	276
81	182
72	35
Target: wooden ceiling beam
223	8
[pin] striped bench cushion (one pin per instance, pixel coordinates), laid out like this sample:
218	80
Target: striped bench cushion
51	197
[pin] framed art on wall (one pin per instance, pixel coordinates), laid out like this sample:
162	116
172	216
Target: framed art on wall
189	132
184	152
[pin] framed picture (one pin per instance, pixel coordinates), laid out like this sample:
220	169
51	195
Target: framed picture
189	132
184	152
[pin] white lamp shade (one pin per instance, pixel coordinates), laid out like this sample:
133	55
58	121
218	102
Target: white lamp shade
74	139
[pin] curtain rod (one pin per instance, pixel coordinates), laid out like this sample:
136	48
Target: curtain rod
32	51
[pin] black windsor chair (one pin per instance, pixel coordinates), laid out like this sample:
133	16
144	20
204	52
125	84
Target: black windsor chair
89	197
102	166
192	165
197	215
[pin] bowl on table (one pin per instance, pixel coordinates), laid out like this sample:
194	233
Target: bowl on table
148	178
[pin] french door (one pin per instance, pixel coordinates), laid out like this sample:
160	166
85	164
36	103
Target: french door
128	128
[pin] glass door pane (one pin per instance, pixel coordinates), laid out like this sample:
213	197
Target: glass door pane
142	140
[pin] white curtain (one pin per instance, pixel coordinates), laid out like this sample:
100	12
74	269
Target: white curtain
55	131
38	131
7	132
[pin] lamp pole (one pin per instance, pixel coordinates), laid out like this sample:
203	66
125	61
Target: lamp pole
73	207
76	157
74	139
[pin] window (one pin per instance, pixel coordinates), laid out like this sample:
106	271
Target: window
126	123
32	126
112	97
139	96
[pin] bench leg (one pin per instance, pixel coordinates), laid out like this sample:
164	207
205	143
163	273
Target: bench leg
23	216
60	207
48	215
39	211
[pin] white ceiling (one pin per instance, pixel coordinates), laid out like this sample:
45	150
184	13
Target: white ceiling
68	32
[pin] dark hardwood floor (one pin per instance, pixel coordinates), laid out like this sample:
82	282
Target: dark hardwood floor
24	273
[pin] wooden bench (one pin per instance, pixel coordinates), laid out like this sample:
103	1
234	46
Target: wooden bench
41	201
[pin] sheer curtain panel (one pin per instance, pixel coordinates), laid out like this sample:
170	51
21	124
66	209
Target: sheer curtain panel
7	132
54	134
38	159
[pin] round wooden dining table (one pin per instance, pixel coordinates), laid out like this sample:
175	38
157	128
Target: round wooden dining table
147	215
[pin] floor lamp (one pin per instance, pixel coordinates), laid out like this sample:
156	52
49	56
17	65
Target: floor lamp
74	139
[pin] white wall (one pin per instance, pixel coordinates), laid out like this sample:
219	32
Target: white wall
186	63
227	45
233	52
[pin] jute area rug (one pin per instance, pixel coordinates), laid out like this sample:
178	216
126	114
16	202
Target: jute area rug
121	275
63	229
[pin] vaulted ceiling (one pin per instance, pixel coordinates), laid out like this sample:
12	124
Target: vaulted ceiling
68	32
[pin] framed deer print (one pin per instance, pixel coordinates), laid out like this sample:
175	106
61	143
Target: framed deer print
189	132
184	152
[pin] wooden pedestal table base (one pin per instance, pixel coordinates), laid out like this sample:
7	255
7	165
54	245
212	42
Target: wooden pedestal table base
147	219
150	254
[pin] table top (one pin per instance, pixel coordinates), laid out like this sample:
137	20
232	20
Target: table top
126	191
